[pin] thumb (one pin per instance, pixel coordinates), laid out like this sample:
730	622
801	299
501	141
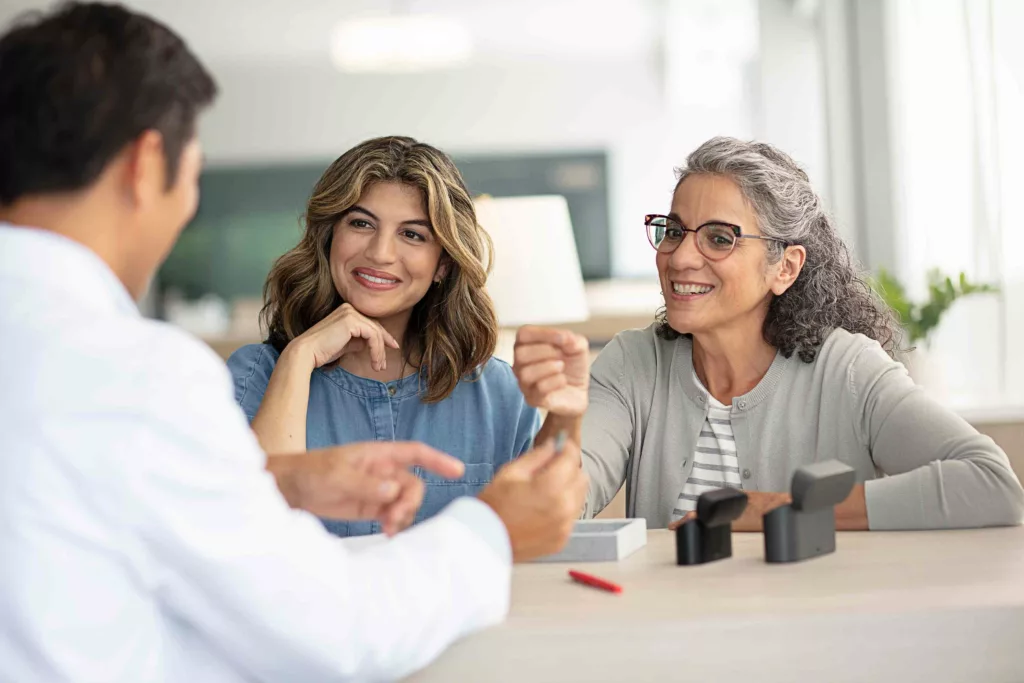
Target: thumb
574	344
528	464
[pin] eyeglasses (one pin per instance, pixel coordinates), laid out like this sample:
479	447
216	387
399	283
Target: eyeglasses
715	241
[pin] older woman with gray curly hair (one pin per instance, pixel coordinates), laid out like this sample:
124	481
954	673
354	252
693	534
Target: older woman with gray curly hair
771	353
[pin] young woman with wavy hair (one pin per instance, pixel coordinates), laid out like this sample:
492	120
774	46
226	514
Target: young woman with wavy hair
379	326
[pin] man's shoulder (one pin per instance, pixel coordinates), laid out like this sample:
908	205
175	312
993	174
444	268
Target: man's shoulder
132	359
159	349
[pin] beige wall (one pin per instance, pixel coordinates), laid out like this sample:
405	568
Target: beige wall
1010	437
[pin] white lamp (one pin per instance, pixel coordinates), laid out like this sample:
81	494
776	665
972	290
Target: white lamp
536	278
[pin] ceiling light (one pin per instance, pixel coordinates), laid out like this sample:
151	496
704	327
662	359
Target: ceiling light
402	43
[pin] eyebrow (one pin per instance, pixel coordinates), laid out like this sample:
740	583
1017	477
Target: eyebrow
415	221
713	221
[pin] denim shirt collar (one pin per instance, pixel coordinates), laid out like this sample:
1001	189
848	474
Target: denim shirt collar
371	388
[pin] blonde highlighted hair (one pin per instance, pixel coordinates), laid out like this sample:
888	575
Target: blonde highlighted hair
453	329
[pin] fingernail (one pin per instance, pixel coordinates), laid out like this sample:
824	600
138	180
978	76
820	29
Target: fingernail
388	489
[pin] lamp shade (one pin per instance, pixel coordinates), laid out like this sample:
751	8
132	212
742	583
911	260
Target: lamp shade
536	278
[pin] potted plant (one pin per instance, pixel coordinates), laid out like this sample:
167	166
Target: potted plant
919	320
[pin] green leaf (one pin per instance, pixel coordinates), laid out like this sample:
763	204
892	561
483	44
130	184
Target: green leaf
919	320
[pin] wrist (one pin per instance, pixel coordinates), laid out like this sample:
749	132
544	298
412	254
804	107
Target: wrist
570	423
766	501
569	414
297	357
284	469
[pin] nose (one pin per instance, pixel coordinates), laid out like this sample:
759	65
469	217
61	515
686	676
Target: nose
382	248
687	256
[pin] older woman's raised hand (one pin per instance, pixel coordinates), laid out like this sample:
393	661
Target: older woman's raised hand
553	369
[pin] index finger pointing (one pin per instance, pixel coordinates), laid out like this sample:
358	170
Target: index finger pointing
411	453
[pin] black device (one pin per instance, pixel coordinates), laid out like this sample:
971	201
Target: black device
806	528
709	537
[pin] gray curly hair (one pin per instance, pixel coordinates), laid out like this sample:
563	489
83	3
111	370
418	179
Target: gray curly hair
830	292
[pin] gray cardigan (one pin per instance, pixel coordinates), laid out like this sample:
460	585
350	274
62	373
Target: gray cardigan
853	404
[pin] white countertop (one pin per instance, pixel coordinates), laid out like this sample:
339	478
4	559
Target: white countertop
893	606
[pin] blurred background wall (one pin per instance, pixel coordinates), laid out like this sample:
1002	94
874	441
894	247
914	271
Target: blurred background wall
904	113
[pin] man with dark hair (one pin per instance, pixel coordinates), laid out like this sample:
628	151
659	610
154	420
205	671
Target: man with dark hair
144	536
99	77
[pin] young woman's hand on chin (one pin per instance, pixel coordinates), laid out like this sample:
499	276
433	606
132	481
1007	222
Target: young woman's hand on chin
345	330
553	369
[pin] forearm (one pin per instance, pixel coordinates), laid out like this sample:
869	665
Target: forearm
941	472
851	514
392	608
573	426
758	504
978	491
280	422
283	468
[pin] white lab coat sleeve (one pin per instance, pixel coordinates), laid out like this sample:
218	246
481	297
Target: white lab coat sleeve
267	585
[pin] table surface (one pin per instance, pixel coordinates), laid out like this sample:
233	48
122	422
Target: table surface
929	606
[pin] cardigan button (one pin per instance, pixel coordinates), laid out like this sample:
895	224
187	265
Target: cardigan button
742	404
746	474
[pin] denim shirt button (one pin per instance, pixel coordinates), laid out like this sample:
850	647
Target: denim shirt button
391	390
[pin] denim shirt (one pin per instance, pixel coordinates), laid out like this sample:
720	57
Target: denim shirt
485	422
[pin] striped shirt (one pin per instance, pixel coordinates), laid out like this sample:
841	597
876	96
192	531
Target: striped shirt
715	464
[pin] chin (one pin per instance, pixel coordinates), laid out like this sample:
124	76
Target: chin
375	309
684	324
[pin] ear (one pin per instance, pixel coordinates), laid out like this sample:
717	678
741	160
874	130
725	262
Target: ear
788	269
145	168
441	272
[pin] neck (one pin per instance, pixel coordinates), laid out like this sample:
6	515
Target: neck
399	361
731	362
78	217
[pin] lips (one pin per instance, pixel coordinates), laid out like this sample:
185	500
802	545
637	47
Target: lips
375	279
691	289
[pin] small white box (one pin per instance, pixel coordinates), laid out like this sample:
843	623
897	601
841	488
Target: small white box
602	540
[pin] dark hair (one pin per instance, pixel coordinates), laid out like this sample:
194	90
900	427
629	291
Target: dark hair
831	291
81	83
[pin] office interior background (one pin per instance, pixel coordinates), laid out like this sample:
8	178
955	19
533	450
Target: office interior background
905	114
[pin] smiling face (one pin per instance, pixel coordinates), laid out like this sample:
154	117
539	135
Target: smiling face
384	254
704	296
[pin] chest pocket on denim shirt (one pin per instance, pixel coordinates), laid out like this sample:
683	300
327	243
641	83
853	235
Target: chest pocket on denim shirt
440	491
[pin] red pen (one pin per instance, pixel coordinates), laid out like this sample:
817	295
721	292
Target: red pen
594	582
